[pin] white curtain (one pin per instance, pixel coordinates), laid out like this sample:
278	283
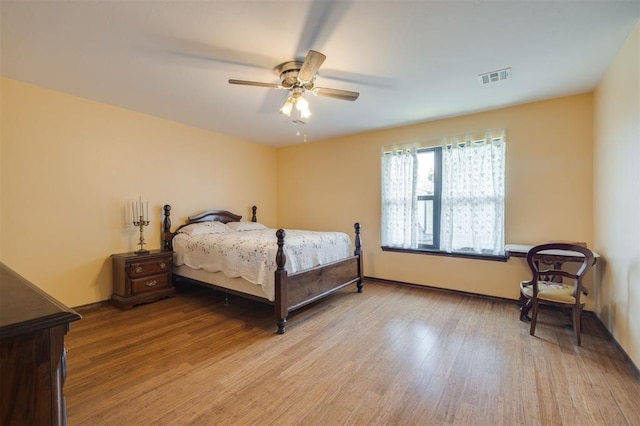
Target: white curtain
399	200
473	187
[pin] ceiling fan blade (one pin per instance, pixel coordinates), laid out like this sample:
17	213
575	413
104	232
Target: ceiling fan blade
255	83
345	95
323	18
197	50
311	65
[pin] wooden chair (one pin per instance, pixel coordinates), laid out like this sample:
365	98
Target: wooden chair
549	287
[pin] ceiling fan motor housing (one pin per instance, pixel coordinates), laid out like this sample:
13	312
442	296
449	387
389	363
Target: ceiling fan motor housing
288	73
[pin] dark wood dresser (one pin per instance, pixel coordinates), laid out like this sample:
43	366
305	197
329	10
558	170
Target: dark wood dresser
32	355
141	278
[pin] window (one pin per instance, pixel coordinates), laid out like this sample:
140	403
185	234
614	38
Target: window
448	198
428	191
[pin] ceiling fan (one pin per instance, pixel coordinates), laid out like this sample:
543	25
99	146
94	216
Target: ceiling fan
298	77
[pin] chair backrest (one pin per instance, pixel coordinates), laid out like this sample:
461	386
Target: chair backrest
548	252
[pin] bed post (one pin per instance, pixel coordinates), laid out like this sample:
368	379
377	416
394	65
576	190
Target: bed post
253	214
166	228
358	252
280	303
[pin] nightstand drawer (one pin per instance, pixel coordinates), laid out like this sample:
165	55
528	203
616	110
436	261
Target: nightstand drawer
140	269
150	283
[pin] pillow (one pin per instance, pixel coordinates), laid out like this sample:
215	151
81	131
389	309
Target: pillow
204	228
245	226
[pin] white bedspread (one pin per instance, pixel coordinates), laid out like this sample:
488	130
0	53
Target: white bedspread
252	254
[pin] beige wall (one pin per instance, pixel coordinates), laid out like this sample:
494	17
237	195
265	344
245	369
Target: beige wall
617	195
71	167
331	184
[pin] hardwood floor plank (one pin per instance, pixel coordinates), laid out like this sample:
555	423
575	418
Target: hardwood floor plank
391	355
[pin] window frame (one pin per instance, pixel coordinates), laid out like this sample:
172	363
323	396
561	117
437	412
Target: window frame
434	249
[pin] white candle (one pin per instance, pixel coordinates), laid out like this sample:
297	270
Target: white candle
147	211
133	213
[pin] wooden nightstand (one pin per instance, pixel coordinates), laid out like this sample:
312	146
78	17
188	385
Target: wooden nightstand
141	278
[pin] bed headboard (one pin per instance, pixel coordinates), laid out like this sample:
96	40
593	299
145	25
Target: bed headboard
223	216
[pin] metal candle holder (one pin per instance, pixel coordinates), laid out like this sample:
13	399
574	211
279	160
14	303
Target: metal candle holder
137	210
141	223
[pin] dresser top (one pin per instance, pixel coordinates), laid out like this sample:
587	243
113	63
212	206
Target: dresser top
145	256
25	308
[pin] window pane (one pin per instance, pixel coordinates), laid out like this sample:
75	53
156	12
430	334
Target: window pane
425	222
425	189
425	173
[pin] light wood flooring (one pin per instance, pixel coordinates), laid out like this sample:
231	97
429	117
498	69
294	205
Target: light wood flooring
393	355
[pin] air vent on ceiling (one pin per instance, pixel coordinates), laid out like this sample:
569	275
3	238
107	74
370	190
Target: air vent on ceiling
494	76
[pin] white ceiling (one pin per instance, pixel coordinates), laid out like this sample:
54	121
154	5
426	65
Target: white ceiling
411	61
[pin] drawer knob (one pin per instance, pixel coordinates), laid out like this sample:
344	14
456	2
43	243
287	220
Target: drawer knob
163	265
138	269
151	283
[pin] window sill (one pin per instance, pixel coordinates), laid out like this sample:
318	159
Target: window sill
491	257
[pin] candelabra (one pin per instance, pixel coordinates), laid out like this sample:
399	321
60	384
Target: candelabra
137	210
141	223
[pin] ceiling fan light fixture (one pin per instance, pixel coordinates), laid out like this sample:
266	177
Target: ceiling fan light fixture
303	106
297	100
288	106
305	113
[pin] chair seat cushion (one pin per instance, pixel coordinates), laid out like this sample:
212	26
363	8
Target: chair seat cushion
553	292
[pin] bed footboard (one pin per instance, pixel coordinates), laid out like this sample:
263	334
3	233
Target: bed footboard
297	290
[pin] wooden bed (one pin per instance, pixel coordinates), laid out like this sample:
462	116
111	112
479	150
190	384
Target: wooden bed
292	291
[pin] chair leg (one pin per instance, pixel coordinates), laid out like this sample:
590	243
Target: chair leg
577	325
534	316
525	307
